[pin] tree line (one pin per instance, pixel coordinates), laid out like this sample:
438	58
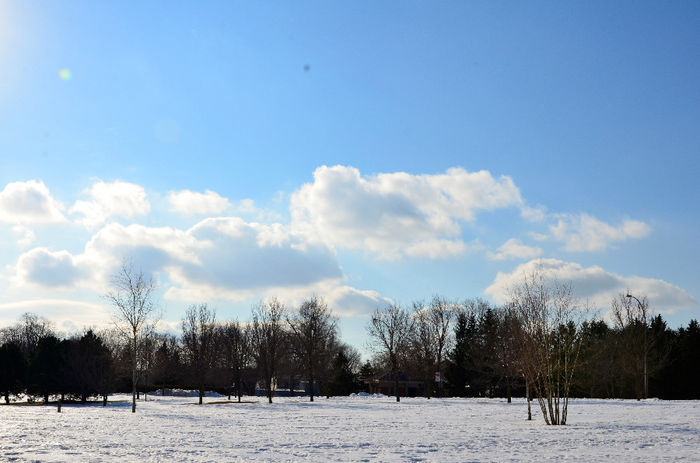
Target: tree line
540	345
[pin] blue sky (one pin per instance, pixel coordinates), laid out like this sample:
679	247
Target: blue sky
358	150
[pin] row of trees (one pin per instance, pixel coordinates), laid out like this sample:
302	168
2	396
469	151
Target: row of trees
540	344
277	349
35	361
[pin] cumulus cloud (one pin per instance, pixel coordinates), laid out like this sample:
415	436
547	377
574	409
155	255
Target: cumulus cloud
514	249
583	233
29	202
594	284
224	258
43	267
242	259
193	203
106	200
396	214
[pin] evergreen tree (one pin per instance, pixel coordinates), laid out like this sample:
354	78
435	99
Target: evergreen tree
461	368
12	370
45	375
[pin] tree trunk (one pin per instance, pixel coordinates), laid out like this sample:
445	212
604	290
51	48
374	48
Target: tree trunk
201	394
46	398
396	386
104	400
311	386
7	398
133	375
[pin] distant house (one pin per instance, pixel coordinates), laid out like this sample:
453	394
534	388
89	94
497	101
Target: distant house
384	384
282	387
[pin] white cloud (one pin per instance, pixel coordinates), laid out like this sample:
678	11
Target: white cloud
515	249
193	203
223	258
106	200
43	267
538	236
534	214
26	236
347	301
29	202
582	233
594	283
396	214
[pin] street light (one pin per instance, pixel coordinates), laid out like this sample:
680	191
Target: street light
643	312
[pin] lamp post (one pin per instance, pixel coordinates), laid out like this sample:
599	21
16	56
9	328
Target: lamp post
643	313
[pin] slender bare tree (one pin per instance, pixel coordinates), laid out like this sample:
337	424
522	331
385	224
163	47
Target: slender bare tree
198	331
268	340
313	331
390	330
422	346
132	301
441	314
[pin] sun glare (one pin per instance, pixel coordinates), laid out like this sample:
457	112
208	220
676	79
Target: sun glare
64	74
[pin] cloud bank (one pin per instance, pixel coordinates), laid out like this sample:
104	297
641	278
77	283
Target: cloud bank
594	284
396	214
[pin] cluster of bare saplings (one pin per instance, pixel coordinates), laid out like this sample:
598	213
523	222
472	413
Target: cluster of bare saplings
540	345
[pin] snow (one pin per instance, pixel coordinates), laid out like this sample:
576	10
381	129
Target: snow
356	428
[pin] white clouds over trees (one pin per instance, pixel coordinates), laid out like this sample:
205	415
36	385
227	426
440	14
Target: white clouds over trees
593	283
387	216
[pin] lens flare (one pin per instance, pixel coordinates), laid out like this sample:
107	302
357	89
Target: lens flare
64	74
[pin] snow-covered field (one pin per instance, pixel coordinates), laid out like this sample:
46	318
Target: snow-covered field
350	429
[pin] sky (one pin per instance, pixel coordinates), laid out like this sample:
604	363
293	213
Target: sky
364	152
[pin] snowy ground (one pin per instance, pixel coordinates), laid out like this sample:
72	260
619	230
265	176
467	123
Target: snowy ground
350	429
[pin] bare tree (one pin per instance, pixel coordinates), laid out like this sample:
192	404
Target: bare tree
235	340
632	317
423	349
27	333
198	331
146	357
549	341
132	300
440	315
313	331
507	350
268	338
390	330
